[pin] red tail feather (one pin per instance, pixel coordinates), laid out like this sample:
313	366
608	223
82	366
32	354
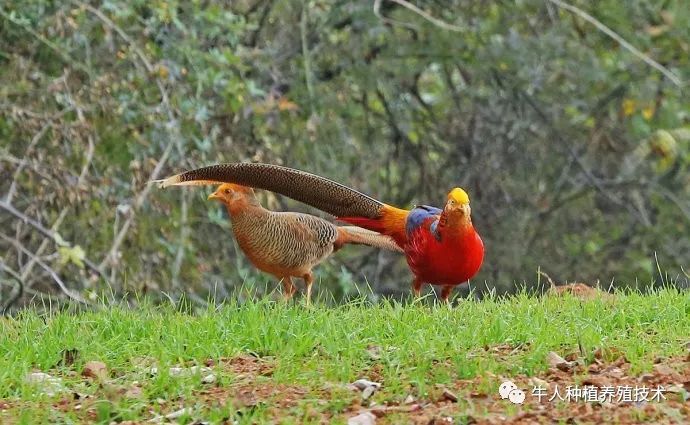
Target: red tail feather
391	222
374	224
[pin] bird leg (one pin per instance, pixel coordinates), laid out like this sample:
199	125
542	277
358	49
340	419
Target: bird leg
445	292
288	288
417	287
308	280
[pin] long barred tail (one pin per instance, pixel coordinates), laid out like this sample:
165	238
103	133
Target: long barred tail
319	192
358	235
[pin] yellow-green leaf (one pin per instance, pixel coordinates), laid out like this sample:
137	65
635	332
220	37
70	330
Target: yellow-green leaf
73	255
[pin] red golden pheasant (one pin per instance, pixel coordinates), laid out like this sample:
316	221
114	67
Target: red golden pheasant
441	245
288	244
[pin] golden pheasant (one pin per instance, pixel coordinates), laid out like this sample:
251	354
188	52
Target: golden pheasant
441	245
288	244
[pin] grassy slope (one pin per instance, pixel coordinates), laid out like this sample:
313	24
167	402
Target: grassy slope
316	348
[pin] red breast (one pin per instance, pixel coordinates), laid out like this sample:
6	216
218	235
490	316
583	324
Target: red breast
453	260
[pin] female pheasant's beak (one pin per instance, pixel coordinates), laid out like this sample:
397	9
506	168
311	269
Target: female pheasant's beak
226	193
223	193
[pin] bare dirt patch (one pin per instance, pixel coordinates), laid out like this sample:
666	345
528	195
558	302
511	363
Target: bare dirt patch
672	375
461	400
246	365
579	290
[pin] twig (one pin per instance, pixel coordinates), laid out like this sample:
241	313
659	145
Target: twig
620	40
47	232
14	110
34	140
684	272
80	180
20	283
439	23
16	161
142	57
53	274
28	268
91	143
13	186
377	13
262	20
52	46
165	102
305	55
138	201
573	154
184	235
547	278
685	209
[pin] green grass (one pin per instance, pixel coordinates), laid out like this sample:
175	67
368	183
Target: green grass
418	346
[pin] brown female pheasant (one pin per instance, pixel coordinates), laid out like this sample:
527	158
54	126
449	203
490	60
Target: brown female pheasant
288	244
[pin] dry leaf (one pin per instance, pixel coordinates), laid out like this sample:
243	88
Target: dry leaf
554	359
559	362
450	396
95	369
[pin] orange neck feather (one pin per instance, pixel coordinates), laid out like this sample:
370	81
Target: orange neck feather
242	204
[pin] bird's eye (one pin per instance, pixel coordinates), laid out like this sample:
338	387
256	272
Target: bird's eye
227	191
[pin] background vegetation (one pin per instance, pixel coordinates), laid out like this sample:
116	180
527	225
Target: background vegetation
575	151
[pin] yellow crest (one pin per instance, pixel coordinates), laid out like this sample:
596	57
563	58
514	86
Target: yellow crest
459	196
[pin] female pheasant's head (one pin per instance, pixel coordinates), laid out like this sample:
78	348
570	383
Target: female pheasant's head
230	194
457	210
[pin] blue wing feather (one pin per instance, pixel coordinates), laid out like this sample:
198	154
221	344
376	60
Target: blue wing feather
419	215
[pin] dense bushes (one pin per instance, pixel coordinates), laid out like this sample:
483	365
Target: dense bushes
552	127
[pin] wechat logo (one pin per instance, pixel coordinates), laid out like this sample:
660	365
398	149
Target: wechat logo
510	391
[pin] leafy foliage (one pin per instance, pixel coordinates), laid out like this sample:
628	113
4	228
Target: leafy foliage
573	150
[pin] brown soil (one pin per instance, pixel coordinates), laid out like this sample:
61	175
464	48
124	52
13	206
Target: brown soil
463	400
579	290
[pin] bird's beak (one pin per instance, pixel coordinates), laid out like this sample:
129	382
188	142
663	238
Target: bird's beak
464	208
214	195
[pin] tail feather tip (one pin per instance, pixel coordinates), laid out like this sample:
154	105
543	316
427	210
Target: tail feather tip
163	183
